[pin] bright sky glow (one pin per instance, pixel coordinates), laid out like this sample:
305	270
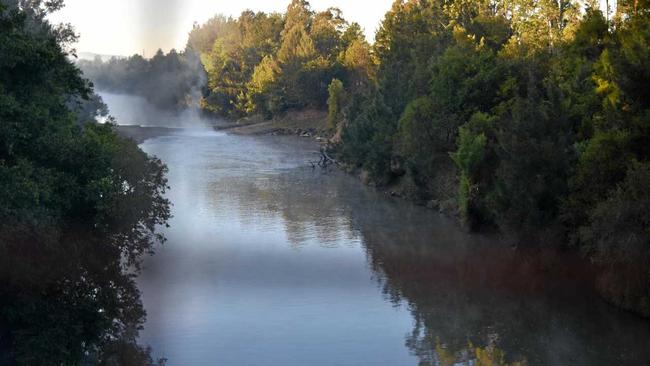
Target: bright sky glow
126	27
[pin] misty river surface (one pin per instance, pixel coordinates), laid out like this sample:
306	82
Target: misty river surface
271	262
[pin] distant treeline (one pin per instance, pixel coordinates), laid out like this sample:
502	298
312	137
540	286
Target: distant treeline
268	63
172	81
531	118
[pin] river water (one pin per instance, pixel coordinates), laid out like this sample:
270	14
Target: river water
271	262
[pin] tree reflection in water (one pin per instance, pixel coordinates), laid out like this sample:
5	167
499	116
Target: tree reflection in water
481	301
68	301
474	300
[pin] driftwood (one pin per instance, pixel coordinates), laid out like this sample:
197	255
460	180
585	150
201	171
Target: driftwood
324	161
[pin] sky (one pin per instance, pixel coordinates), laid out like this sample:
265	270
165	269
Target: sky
127	27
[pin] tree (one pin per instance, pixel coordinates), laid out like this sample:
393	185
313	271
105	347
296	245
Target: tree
335	103
79	206
471	159
359	61
263	90
326	31
299	14
297	47
268	63
618	239
169	81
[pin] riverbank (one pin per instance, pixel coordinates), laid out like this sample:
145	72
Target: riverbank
313	124
305	123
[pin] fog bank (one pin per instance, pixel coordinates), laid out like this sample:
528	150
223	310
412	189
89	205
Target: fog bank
136	110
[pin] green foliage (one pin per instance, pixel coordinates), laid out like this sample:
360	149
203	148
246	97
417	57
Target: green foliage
412	34
620	133
434	75
367	139
542	106
263	93
296	46
604	160
79	206
268	63
326	31
470	158
335	103
299	14
420	122
535	157
359	62
619	229
424	137
618	237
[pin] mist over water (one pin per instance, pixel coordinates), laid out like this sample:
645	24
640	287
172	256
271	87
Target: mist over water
130	110
163	91
256	271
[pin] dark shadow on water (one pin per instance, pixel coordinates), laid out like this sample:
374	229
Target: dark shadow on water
70	298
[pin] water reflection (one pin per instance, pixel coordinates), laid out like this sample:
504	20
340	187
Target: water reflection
272	262
68	302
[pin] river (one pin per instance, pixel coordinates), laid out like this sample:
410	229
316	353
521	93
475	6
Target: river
271	262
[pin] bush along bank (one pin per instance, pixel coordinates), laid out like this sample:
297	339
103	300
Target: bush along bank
529	119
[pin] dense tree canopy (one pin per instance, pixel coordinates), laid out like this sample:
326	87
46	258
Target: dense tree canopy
268	63
79	206
541	106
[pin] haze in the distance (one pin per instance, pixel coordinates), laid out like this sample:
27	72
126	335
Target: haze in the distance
126	27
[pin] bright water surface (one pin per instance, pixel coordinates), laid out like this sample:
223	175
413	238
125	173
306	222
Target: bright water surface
271	262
